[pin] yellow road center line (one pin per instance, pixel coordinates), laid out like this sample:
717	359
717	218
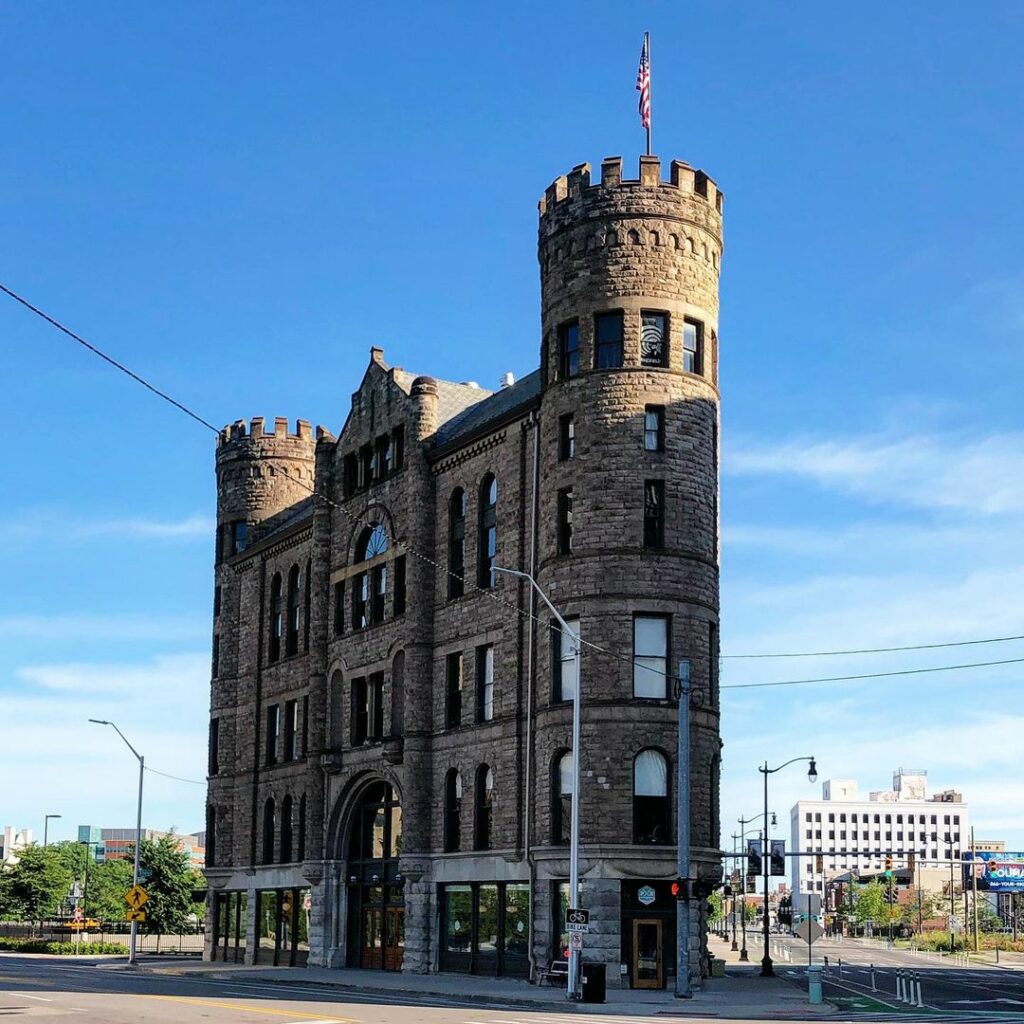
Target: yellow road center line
294	1014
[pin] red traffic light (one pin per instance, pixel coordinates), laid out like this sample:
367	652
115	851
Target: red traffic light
679	889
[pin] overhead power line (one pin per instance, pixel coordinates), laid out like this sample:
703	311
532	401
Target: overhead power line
882	650
177	778
870	675
110	359
489	593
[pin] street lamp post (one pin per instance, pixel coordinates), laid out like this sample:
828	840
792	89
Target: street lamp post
743	823
46	826
740	873
812	774
133	938
572	985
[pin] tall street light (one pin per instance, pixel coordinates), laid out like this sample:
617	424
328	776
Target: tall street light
743	823
767	970
574	829
133	941
46	826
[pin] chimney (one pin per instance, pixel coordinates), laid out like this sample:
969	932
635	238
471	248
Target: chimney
507	380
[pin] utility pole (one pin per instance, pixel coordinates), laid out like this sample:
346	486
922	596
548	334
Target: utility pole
974	889
740	873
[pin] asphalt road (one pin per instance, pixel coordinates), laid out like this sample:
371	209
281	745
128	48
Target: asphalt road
39	990
946	985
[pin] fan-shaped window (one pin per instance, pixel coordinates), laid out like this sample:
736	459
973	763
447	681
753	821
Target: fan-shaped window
484	807
561	797
488	533
373	541
651	812
268	831
276	618
457	543
286	830
291	643
452	811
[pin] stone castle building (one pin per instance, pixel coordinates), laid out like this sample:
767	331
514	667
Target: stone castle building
390	775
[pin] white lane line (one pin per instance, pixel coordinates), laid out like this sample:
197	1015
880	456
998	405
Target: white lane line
26	995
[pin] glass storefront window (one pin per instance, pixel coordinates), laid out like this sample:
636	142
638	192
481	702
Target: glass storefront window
517	919
266	926
396	831
458	918
487	927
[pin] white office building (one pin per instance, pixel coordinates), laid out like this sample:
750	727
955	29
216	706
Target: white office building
845	831
11	841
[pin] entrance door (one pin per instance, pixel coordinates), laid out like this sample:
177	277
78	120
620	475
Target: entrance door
394	948
373	920
648	967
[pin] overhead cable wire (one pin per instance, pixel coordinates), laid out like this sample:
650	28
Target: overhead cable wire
488	591
882	650
177	778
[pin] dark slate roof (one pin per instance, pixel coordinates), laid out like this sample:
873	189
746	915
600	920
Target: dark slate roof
285	520
452	398
494	407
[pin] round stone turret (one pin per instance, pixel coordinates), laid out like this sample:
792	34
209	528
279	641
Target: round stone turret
259	474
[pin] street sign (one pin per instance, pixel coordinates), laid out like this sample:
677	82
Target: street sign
78	913
576	940
577	920
135	915
810	931
136	897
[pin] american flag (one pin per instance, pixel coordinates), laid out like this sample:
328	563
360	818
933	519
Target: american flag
643	84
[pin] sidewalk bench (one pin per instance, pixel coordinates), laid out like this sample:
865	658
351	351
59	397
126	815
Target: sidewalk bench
558	971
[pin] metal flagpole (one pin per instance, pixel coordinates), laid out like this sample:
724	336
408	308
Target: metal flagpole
647	47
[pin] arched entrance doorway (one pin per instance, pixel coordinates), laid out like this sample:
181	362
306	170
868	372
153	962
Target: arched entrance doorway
376	917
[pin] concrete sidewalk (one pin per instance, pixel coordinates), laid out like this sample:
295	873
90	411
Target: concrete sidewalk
741	994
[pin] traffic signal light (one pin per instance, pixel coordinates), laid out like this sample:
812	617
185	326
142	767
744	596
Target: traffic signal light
891	897
680	889
888	866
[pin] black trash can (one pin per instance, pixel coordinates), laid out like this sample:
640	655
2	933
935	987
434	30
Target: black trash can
592	983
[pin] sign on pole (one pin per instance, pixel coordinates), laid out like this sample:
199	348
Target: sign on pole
576	940
577	920
136	897
810	931
778	856
135	915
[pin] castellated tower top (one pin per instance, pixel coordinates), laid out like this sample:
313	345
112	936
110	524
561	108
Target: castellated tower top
631	247
259	472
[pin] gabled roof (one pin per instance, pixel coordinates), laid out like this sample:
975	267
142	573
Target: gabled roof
452	398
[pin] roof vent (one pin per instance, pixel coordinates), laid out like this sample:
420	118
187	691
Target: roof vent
507	380
470	384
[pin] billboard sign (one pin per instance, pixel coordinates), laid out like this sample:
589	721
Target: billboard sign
995	872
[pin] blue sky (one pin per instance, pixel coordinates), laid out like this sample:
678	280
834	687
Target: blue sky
239	199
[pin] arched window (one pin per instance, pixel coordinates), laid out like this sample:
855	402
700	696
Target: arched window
308	605
337	723
457	543
398	694
291	642
484	807
452	811
276	618
287	827
301	854
651	812
561	797
370	586
268	831
488	532
211	836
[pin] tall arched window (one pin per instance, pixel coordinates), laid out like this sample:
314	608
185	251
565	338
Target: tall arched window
211	836
457	543
308	605
276	618
301	854
651	811
291	642
484	795
561	797
338	701
452	811
488	532
398	694
370	586
287	828
268	831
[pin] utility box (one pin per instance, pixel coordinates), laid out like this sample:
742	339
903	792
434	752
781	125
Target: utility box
593	983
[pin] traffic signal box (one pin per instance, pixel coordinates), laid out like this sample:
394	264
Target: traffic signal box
681	889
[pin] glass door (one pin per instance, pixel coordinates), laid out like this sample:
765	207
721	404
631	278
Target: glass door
373	920
394	950
648	967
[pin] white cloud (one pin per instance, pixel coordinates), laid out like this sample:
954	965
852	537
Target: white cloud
931	471
55	761
68	528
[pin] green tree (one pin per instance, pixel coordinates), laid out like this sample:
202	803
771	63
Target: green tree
169	884
919	907
870	905
749	911
715	912
108	883
37	885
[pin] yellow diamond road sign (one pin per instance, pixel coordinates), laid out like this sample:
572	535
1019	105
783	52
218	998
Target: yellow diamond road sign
136	897
135	915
